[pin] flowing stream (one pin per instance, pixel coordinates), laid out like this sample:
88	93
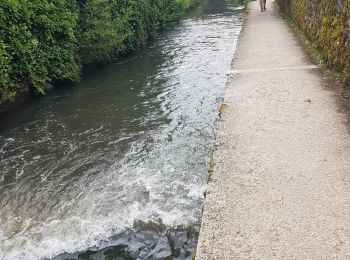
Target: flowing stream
116	166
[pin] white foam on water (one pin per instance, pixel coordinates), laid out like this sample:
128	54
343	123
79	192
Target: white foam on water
239	7
130	195
160	178
56	237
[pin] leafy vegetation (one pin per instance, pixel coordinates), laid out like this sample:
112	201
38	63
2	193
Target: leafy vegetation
43	41
326	28
313	50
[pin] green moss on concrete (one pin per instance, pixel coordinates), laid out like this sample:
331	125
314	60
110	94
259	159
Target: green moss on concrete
313	50
326	24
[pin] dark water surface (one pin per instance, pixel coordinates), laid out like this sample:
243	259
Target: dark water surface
118	164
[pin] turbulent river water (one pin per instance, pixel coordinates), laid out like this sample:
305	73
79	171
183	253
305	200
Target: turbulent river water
116	166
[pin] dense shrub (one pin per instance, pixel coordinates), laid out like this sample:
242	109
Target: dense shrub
108	28
47	40
37	44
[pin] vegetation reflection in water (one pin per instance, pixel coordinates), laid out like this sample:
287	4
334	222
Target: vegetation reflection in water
119	163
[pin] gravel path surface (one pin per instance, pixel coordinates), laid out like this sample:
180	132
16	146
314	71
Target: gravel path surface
280	188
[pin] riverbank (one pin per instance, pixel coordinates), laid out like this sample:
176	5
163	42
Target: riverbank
48	43
279	188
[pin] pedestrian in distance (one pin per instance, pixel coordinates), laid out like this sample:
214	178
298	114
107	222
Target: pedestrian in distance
262	5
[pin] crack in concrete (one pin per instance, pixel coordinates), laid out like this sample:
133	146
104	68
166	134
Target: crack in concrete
303	67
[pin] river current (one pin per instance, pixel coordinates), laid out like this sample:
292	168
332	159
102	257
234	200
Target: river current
115	167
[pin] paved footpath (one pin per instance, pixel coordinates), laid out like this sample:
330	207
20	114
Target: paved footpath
281	182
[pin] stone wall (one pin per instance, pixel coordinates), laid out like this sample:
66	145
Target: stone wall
327	24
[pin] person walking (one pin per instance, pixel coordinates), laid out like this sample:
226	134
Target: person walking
262	5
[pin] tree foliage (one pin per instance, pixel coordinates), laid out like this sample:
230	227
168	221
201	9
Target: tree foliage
42	41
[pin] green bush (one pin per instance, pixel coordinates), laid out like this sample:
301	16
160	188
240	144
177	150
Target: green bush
42	41
37	44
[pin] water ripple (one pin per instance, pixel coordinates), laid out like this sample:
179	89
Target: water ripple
119	163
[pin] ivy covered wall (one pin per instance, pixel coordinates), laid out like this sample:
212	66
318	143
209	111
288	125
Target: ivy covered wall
327	24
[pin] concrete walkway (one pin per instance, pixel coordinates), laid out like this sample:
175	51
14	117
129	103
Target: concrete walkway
281	182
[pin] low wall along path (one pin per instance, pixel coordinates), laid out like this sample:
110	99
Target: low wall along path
327	24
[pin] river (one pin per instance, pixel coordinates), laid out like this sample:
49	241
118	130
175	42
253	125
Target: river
115	167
